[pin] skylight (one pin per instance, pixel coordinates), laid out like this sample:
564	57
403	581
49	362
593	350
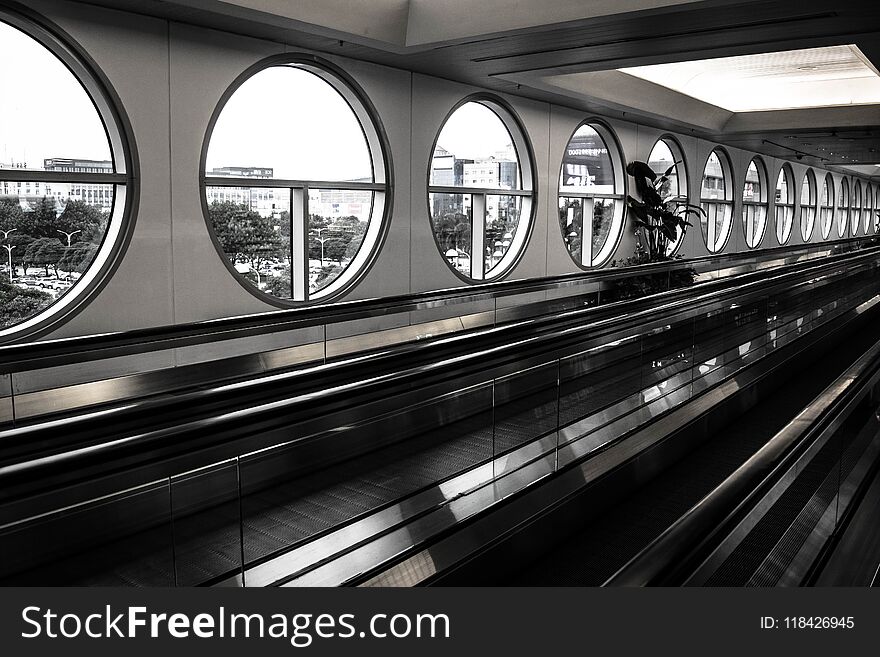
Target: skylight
814	77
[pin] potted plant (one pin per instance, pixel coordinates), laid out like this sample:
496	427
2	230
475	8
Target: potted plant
657	222
657	219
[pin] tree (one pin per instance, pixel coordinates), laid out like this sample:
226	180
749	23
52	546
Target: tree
20	242
244	235
279	285
11	214
453	231
342	237
80	216
41	220
78	257
18	304
45	252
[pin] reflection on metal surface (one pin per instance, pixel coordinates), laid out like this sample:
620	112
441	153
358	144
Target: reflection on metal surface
316	507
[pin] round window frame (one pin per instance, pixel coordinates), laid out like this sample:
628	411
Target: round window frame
126	169
827	181
843	218
763	178
855	208
810	177
607	134
788	172
523	146
729	196
379	151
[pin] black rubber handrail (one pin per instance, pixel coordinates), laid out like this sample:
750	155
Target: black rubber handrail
262	415
80	349
673	552
517	337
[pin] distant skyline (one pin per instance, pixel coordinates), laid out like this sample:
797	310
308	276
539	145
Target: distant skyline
44	110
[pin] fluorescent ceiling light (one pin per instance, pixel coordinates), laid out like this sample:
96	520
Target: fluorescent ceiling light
815	77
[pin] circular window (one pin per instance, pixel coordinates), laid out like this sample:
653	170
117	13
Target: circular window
784	204
591	186
868	208
62	178
827	206
295	180
479	193
856	209
667	159
808	205
755	203
877	209
716	199
843	208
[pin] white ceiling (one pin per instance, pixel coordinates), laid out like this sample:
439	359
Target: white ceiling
831	76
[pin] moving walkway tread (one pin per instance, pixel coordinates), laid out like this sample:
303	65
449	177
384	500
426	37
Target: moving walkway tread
608	541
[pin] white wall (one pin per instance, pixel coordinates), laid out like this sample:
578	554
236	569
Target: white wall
170	77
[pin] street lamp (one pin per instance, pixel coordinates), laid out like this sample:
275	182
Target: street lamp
326	239
69	235
8	248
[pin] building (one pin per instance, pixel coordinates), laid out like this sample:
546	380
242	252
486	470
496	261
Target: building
98	195
267	202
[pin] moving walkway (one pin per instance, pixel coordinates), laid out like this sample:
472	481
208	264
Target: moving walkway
345	470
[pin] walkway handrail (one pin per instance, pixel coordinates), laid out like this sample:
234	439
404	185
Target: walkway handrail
34	355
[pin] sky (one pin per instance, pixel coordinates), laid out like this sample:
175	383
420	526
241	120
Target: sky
44	110
293	121
474	132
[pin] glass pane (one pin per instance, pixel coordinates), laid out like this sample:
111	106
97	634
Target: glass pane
716	224
868	208
603	217
571	221
843	208
586	164
752	187
47	120
295	492
856	207
660	160
475	149
784	214
338	222
808	190
713	186
252	226
50	234
783	194
206	517
123	539
292	124
451	220
502	220
808	205
754	219
525	411
827	207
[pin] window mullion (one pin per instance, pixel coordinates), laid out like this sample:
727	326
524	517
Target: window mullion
478	235
587	232
299	243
